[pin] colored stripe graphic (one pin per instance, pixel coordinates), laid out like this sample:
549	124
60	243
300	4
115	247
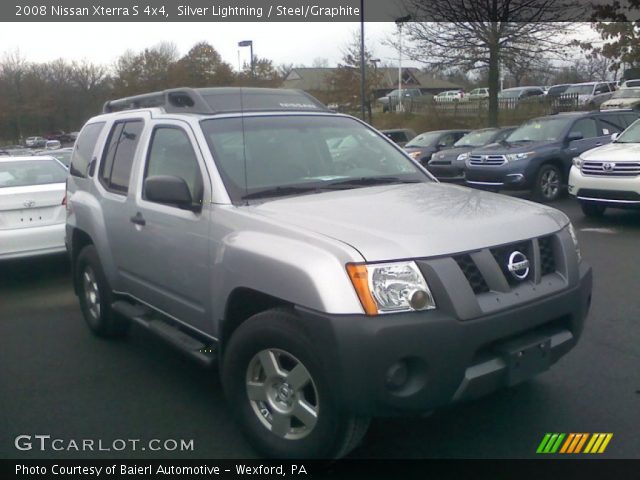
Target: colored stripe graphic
574	443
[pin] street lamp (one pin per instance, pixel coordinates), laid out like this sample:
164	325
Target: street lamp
399	22
249	43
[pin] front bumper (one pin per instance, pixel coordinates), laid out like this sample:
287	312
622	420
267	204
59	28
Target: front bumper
447	172
448	360
511	175
611	191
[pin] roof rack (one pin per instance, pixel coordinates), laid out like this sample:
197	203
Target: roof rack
210	101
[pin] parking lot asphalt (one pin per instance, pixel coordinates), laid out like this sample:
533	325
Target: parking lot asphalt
57	379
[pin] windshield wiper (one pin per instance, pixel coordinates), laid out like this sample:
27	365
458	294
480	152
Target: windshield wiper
368	181
279	191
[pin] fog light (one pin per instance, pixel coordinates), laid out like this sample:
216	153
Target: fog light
420	300
397	375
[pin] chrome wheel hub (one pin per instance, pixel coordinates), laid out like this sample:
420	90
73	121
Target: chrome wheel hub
91	292
550	183
282	394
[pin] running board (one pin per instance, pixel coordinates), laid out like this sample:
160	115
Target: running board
148	319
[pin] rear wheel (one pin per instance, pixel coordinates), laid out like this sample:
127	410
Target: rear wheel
592	209
548	186
283	394
96	296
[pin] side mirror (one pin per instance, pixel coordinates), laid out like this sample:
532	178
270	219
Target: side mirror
614	136
168	189
574	136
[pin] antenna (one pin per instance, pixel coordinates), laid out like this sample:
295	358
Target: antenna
244	145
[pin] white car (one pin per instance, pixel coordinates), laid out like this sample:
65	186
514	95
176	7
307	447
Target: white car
449	96
608	176
32	210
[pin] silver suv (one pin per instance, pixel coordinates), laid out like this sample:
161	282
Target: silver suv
331	281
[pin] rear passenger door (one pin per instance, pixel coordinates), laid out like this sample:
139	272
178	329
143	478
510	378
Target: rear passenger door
167	264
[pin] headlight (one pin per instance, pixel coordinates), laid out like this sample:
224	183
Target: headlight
577	161
462	157
574	237
415	155
391	287
512	157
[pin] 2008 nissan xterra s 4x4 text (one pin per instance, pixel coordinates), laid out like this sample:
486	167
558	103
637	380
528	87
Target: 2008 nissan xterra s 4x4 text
331	280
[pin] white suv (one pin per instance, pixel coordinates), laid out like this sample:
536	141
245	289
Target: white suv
608	176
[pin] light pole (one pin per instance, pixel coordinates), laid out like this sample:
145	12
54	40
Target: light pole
399	22
249	43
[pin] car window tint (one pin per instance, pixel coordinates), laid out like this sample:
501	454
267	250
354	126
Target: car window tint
587	127
83	149
115	168
611	124
171	153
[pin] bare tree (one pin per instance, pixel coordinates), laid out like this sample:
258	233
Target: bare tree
485	34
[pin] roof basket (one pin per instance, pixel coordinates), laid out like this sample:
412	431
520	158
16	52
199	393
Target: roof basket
209	101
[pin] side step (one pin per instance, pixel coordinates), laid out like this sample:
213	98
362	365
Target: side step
147	318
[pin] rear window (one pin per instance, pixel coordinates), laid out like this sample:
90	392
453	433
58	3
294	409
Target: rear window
83	149
23	173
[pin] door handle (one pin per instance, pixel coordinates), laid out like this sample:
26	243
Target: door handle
138	219
599	144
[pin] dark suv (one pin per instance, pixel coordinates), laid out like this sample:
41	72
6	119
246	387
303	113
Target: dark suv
537	156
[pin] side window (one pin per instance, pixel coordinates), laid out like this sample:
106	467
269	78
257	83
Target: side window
171	153
117	160
587	127
611	124
83	149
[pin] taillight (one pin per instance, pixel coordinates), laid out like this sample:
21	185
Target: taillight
64	200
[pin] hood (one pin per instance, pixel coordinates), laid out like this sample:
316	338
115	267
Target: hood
415	220
620	103
614	152
504	148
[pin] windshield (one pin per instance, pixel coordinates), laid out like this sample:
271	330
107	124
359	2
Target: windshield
476	139
294	154
31	172
542	129
424	139
510	93
627	93
580	89
631	134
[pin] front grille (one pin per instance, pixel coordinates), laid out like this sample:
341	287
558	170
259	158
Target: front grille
471	272
547	258
487	160
502	254
617	169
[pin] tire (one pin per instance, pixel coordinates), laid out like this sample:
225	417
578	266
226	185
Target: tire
263	352
548	186
592	209
96	297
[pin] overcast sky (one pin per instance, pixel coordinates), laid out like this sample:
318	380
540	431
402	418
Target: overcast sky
103	43
298	43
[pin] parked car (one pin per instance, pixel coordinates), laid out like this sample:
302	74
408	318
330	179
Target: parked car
327	293
448	165
52	145
63	155
35	142
32	213
59	135
73	136
608	176
590	94
449	96
477	94
557	90
426	144
400	135
537	156
391	100
624	98
630	83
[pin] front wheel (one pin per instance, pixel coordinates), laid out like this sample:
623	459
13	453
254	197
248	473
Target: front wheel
282	393
592	209
548	186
